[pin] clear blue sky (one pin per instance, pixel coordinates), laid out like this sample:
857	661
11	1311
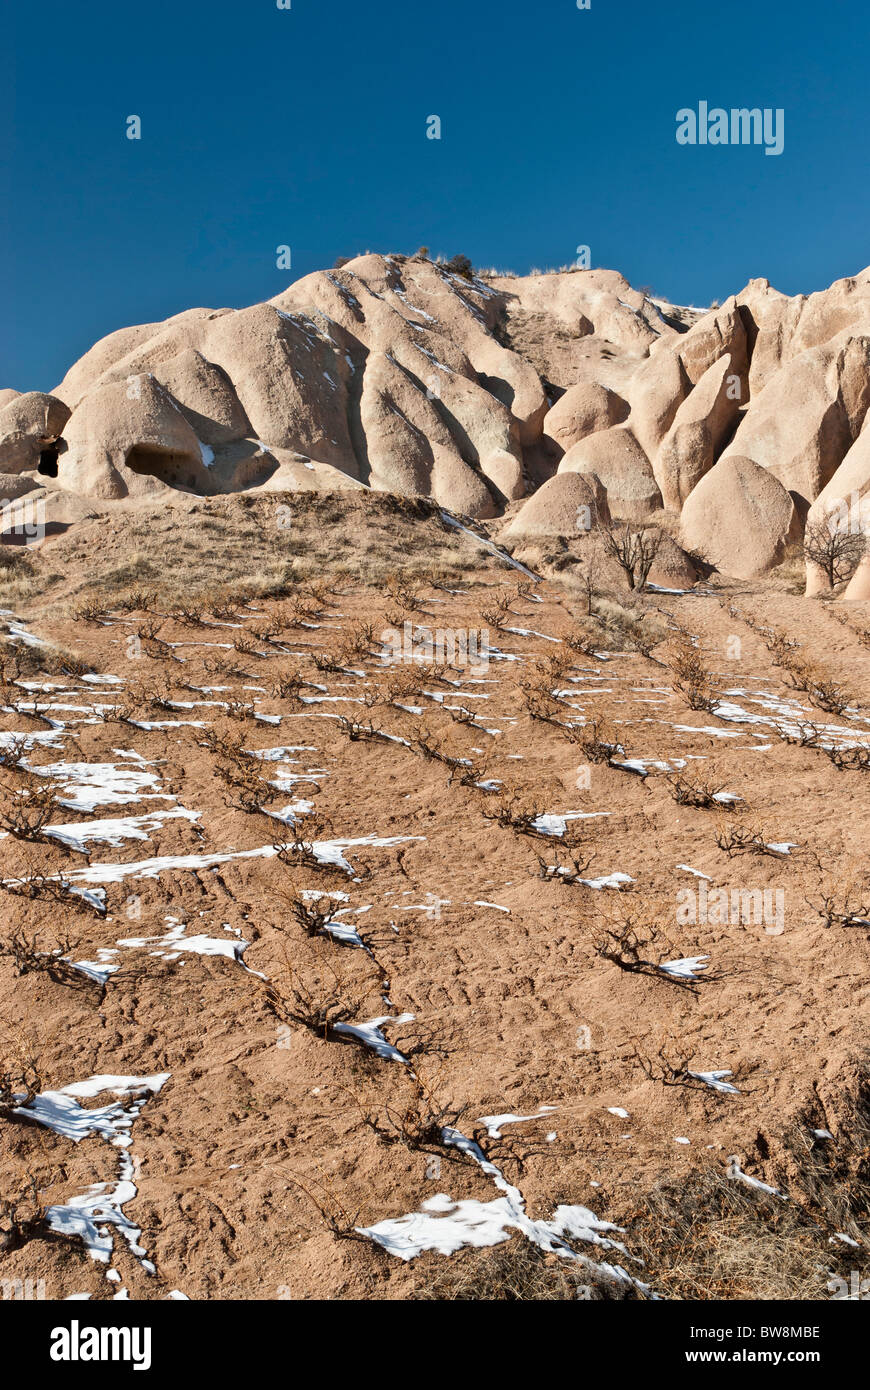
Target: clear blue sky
306	127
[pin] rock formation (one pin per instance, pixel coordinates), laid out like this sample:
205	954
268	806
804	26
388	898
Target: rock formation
396	373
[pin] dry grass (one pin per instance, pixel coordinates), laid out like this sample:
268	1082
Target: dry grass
20	576
628	629
711	1238
20	662
218	551
517	1272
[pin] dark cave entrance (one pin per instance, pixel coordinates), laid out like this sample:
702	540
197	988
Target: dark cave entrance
48	460
174	469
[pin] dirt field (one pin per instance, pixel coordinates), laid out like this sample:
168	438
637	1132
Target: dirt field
235	833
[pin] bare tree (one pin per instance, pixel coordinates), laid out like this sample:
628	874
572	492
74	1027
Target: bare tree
835	551
634	548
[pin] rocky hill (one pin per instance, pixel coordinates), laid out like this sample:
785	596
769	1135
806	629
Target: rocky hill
522	401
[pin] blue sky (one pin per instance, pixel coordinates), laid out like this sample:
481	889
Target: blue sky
307	127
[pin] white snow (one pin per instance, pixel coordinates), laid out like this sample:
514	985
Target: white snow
61	1112
326	851
736	1172
494	1123
688	968
714	1080
370	1034
555	823
115	831
85	786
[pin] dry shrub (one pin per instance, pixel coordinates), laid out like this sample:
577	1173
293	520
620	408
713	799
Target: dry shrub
300	611
244	711
823	690
297	850
154	694
402	682
583	641
696	789
432	746
405	594
801	735
633	938
91	610
329	663
341	1223
35	885
567	867
358	639
536	689
841	899
20	1074
287	685
850	759
247	789
496	610
669	1065
361	730
14	753
135	600
268	631
244	644
191	614
417	1121
27	803
597	738
309	914
473	772
514	810
320	993
223	742
690	676
862	633
30	954
747	839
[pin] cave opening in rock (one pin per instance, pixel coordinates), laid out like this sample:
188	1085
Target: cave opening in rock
174	469
48	460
